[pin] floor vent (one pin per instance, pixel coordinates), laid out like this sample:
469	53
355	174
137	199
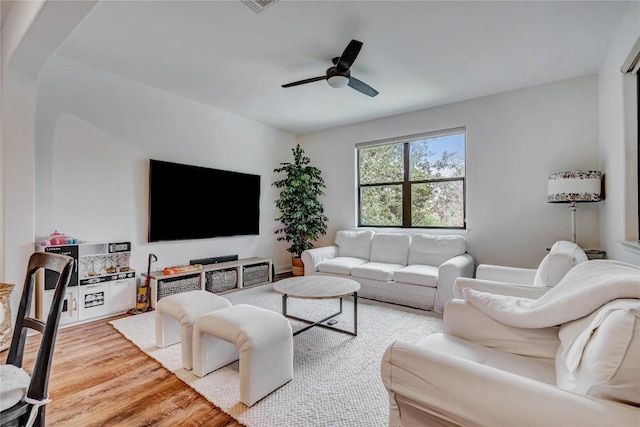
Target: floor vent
258	5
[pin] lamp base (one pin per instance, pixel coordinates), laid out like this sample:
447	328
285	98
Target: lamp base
572	208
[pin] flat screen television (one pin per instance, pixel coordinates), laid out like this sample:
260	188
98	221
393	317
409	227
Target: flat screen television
193	202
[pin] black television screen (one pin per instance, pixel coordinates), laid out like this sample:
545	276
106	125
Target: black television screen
193	202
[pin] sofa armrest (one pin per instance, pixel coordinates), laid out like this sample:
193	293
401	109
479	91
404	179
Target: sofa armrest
463	320
312	257
500	273
462	392
458	266
501	288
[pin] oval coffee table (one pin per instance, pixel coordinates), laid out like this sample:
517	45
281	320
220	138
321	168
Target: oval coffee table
319	287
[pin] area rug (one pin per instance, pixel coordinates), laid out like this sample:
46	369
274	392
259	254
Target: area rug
337	378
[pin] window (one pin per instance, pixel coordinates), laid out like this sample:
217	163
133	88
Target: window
416	181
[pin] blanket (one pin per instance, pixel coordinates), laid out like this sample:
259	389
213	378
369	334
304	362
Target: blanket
585	288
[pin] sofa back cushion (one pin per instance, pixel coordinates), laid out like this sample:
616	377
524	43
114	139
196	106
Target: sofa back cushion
434	250
599	354
562	257
390	247
356	244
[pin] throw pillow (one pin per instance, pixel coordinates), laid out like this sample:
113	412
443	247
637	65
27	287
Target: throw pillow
434	250
356	244
599	354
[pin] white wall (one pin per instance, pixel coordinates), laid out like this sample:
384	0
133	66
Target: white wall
95	132
16	153
514	141
618	142
19	91
30	33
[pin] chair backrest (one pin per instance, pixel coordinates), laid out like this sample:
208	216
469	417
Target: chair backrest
562	257
63	265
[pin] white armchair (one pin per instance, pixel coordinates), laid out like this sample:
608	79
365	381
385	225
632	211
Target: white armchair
525	282
482	372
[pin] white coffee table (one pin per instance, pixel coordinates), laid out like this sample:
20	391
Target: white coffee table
319	287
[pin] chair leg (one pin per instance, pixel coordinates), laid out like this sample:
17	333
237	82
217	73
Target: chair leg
265	369
211	353
167	330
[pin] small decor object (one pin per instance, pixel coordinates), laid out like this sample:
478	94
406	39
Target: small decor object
143	298
302	216
297	266
56	238
574	187
175	269
6	331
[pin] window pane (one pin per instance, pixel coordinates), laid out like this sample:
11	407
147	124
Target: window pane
434	158
438	204
380	164
381	205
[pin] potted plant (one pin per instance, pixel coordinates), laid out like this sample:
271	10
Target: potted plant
302	218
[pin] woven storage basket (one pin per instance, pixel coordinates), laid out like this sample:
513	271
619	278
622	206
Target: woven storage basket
252	275
221	280
168	287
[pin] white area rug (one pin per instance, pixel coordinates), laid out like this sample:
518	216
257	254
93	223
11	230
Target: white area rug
337	378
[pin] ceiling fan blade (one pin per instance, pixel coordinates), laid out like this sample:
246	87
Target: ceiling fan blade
362	87
349	55
301	82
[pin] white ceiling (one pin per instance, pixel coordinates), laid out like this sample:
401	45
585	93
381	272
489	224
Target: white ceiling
417	54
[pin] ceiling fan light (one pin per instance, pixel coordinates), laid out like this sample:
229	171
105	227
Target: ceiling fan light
338	81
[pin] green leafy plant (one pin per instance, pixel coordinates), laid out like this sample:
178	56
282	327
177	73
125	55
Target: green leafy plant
302	216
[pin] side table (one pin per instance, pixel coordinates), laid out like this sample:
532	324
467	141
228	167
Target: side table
595	254
6	331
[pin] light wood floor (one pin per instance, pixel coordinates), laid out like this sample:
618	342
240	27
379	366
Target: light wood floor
99	378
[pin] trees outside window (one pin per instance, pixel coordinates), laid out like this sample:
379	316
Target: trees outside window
418	181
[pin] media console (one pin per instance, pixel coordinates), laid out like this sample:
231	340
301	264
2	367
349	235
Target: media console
217	278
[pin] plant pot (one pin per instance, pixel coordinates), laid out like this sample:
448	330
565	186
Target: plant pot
298	266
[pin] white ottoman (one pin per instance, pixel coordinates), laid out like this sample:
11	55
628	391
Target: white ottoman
175	315
262	339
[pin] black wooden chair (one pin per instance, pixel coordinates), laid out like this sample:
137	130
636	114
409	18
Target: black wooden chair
30	409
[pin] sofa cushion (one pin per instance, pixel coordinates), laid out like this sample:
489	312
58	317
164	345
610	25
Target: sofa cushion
599	354
390	248
356	244
536	368
340	265
562	257
417	274
434	250
376	271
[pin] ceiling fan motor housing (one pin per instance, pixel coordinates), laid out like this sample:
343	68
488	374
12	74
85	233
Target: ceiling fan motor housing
336	78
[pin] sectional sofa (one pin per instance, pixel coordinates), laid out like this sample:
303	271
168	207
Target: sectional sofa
416	270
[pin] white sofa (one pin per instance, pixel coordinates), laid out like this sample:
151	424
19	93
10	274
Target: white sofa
414	270
572	362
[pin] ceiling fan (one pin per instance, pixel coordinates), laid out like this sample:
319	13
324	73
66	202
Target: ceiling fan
340	75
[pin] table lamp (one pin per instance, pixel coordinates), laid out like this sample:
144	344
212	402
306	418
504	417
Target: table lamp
574	187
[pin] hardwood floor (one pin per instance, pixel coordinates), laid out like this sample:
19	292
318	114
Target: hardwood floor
99	378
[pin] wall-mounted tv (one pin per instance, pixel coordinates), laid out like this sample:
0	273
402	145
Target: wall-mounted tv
193	202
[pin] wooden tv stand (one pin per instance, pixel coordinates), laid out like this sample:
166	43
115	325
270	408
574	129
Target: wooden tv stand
229	275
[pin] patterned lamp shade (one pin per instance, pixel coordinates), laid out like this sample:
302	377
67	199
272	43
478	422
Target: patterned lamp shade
574	187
